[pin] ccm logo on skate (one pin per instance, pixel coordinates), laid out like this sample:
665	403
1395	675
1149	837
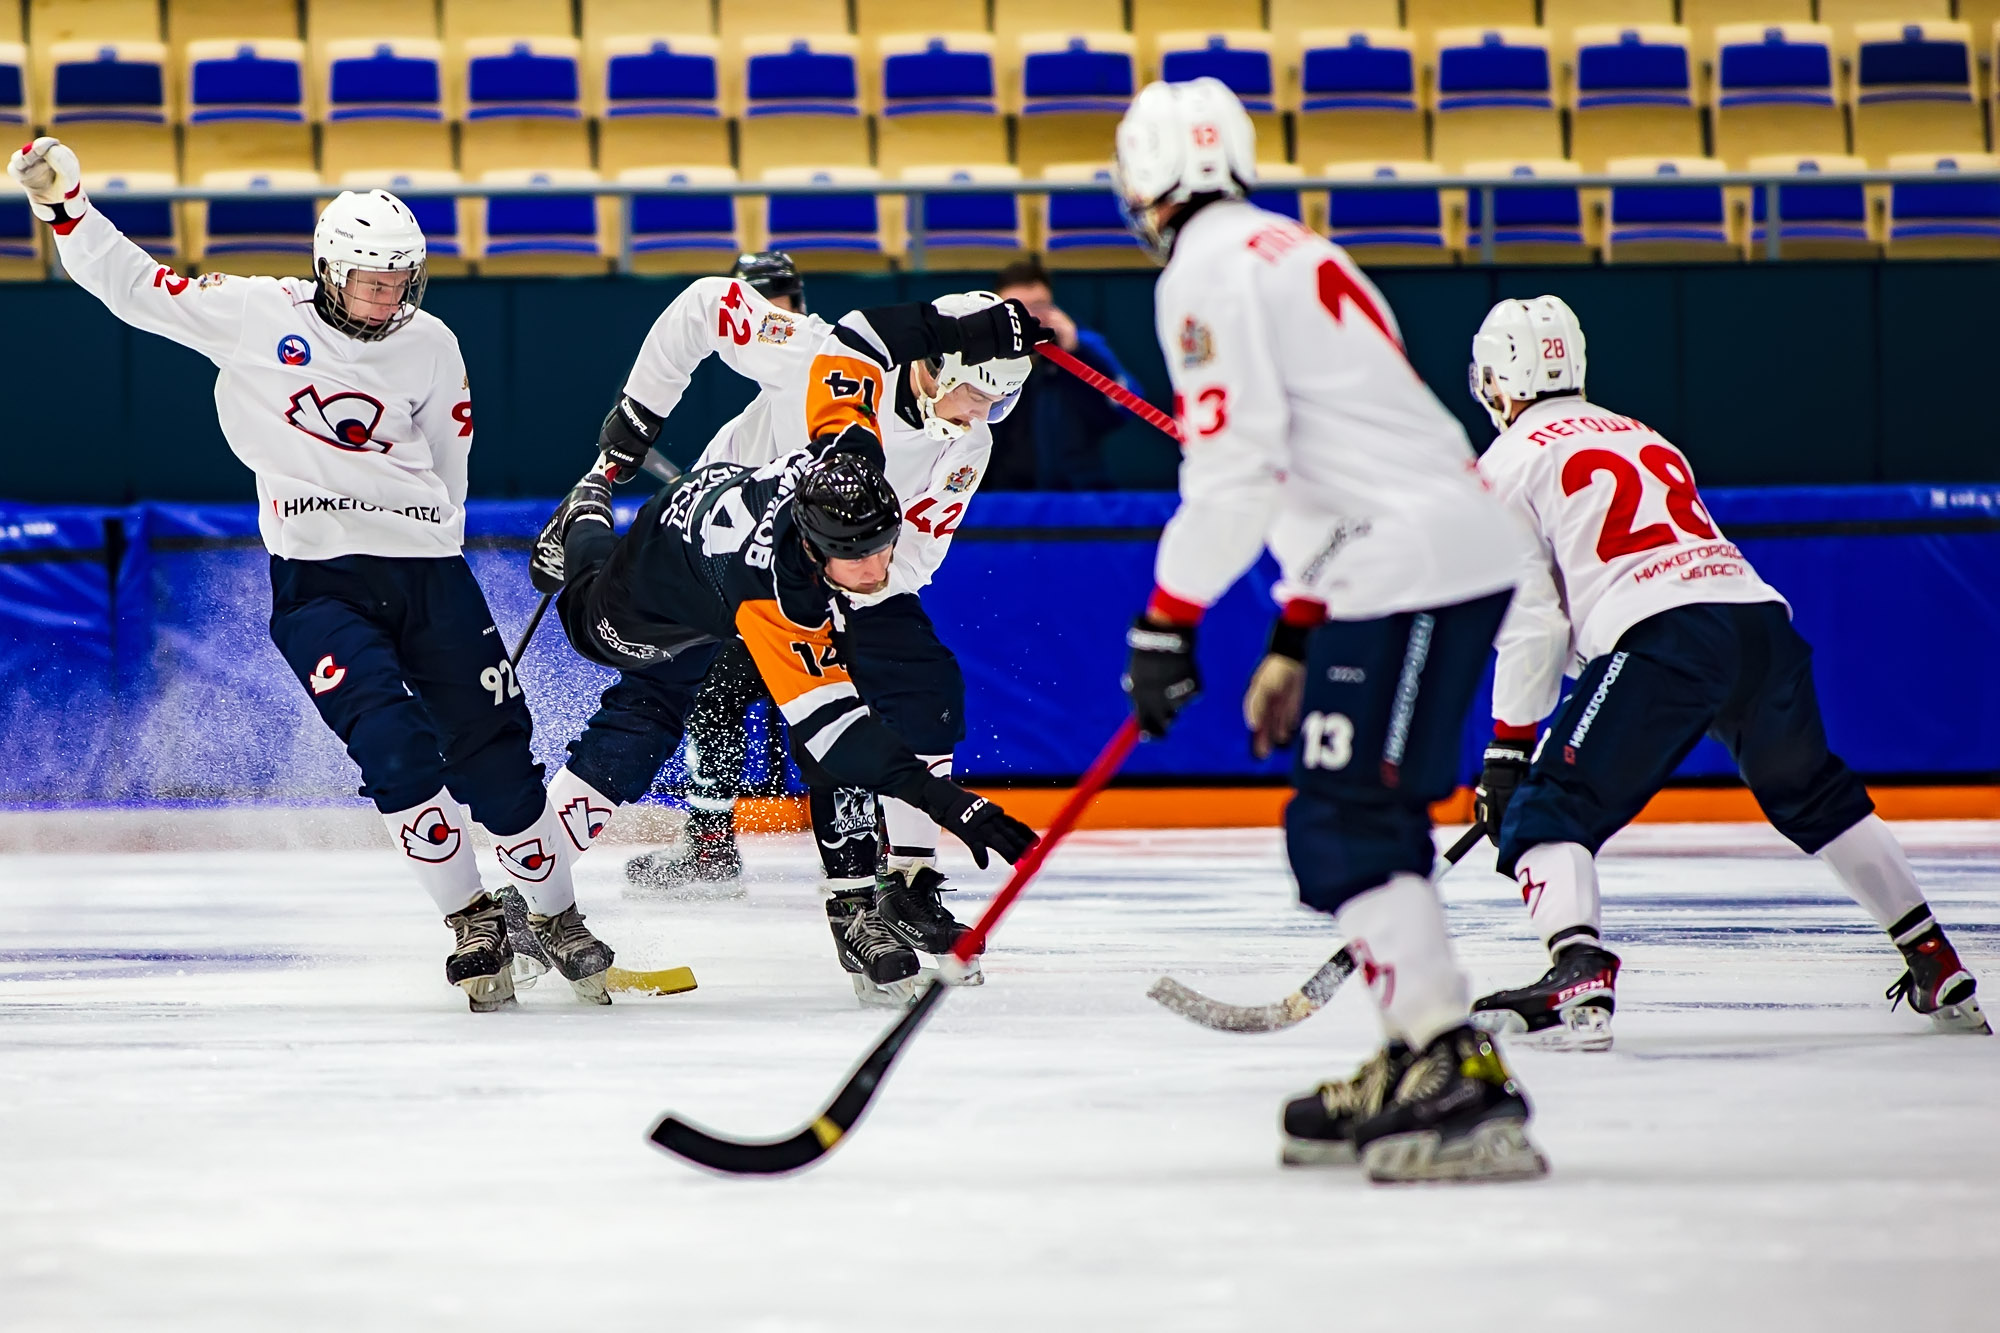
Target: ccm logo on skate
345	421
527	860
584	821
430	838
326	675
1600	982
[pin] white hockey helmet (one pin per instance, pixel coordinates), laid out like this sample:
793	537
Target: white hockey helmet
374	231
1526	350
1179	141
1000	378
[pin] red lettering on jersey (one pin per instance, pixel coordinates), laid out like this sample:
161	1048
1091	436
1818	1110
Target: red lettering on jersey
462	414
173	283
1337	287
1273	242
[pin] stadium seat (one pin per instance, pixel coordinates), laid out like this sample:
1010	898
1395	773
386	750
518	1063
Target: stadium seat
557	235
834	231
1814	221
1086	230
368	20
1151	19
674	232
1678	224
384	106
51	21
1949	219
1774	92
15	113
1290	20
940	101
230	20
1704	17
878	18
466	19
21	257
1844	15
445	222
1428	20
1389	226
801	103
1542	224
1074	88
1240	58
1358	97
1914	92
109	102
1495	97
981	231
1275	193
1013	19
643	18
523	106
271	237
659	102
246	109
1563	17
1635	95
154	226
779	18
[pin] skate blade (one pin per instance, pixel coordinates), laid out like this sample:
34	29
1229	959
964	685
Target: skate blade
1584	1028
954	973
527	971
1965	1016
895	995
661	981
592	989
1495	1150
1315	1152
486	994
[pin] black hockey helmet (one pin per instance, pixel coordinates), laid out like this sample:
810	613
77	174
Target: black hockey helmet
846	507
773	274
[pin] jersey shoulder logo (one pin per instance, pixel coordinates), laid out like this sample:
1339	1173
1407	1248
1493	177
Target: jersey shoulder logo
961	480
776	328
430	836
326	675
345	421
294	350
1197	344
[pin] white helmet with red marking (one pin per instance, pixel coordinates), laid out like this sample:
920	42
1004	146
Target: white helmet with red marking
1177	142
1526	350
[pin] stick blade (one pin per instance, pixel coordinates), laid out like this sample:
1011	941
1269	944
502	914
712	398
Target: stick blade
736	1157
660	981
1217	1016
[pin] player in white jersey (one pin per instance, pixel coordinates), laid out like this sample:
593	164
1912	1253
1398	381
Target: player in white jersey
1309	434
1677	638
352	407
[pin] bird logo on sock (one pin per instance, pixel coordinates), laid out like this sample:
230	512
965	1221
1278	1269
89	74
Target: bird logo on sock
584	821
526	860
430	837
1531	890
1379	977
326	675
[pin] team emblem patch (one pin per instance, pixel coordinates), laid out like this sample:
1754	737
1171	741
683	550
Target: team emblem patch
1197	343
961	480
208	280
294	351
326	676
526	860
777	329
345	421
584	821
430	836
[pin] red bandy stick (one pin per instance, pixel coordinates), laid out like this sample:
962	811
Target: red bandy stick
1113	390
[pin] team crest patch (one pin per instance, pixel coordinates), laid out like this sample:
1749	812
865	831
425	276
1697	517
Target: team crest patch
326	675
776	328
294	351
961	480
208	280
1197	343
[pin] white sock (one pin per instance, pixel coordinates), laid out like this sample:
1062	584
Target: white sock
435	840
1870	862
1397	933
1559	884
582	809
537	859
913	835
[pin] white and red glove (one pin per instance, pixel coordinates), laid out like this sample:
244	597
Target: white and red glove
47	169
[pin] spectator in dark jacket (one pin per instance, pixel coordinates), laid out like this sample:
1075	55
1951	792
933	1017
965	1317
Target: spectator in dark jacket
1054	438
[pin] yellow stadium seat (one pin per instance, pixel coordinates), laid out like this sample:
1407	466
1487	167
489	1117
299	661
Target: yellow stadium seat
1242	59
1693	223
674	232
382	103
1427	19
1703	17
1980	16
1633	95
877	18
1290	20
246	108
939	101
1085	229
658	102
155	227
11	27
199	20
51	21
1495	90
983	231
1814	221
109	101
779	18
267	237
1945	219
1074	89
627	18
1541	223
1775	92
1914	90
553	236
1358	97
1389	226
1843	15
829	231
523	106
447	223
802	103
1277	191
1014	18
1561	16
464	19
1152	18
359	20
23	256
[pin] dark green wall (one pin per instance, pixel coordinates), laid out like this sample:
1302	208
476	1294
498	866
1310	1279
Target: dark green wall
1799	373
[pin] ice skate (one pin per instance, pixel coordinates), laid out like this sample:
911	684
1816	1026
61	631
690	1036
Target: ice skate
706	863
530	959
1318	1128
1569	1009
883	970
910	900
582	958
1456	1115
481	962
1937	984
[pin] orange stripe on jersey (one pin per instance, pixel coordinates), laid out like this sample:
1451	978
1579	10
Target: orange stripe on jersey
793	661
842	391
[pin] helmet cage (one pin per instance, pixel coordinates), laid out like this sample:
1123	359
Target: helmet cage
329	300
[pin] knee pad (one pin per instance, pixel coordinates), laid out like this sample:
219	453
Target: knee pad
1342	847
501	784
400	763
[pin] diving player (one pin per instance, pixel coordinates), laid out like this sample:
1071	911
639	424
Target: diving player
351	406
1678	637
1308	433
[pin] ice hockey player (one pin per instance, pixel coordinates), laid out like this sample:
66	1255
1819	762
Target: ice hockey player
772	557
1679	638
936	439
352	407
1308	433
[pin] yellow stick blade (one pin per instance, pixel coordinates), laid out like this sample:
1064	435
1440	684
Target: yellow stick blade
665	981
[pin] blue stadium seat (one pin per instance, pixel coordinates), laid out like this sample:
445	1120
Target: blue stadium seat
1775	92
246	108
1389	226
555	234
1495	97
444	221
1669	224
1948	219
801	104
1913	91
523	106
940	101
1358	97
14	86
1274	194
1087	230
827	230
1537	224
967	231
1074	88
674	232
660	99
1814	221
153	226
256	236
1634	95
384	107
109	101
1241	59
20	242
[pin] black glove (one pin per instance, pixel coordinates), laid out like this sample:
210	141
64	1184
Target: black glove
1161	676
998	332
974	820
1506	765
588	501
629	430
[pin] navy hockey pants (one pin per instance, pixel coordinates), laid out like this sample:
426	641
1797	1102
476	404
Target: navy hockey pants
1740	674
401	657
1381	737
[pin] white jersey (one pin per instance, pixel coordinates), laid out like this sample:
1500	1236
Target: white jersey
1308	432
1624	536
360	448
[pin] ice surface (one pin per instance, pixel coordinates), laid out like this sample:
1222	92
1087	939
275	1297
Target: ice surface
235	1093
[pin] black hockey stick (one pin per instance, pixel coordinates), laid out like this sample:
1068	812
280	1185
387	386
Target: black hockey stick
766	1157
1295	1008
